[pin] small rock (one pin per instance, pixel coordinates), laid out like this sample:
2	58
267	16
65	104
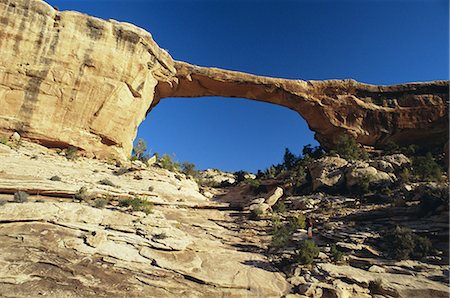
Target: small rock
377	269
15	137
296	280
96	238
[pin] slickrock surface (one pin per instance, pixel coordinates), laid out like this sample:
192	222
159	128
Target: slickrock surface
56	246
67	79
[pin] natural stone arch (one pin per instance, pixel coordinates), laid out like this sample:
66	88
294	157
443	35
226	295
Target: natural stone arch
85	82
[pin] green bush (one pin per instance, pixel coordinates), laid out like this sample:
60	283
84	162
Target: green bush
426	168
100	203
167	162
137	204
71	153
139	151
289	159
306	252
82	194
349	149
256	213
336	255
256	186
279	207
280	233
298	222
55	178
403	244
364	184
189	169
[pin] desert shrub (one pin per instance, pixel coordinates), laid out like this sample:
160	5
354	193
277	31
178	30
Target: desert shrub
167	162
151	188
3	202
100	203
137	204
349	149
55	178
240	176
256	186
279	207
280	233
106	182
139	151
298	222
21	196
426	168
289	159
160	236
390	147
82	194
403	244
71	153
433	199
4	140
256	213
189	169
306	251
313	152
336	255
405	175
364	184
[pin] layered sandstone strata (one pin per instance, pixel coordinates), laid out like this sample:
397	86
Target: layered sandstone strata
67	79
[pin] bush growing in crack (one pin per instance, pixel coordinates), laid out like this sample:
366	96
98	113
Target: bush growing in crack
137	204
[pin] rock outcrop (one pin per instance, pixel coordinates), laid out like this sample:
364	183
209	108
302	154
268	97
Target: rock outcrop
67	79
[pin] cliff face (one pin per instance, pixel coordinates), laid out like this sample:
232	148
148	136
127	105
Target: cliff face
70	79
67	79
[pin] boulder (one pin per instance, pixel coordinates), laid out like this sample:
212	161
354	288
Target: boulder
398	161
273	197
327	172
356	175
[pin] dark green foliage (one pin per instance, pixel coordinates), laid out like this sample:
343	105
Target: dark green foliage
255	214
4	140
137	204
313	152
336	255
298	222
21	196
279	207
167	162
188	169
240	176
349	149
364	184
257	186
426	168
306	252
405	175
433	199
289	160
391	147
139	151
280	233
403	244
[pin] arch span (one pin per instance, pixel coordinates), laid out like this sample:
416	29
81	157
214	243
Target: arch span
85	82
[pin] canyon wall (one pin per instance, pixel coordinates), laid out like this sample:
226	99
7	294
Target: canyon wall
68	79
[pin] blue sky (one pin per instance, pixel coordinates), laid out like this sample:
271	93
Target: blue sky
378	42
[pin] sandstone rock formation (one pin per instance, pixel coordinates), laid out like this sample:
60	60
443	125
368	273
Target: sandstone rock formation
67	79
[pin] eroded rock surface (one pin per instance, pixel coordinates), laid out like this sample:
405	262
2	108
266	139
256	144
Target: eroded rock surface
56	245
67	79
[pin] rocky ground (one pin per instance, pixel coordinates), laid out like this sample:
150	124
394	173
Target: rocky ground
73	236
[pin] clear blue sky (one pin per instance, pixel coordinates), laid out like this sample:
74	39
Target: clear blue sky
378	42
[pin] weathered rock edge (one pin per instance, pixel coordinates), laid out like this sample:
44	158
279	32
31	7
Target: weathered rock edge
68	79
